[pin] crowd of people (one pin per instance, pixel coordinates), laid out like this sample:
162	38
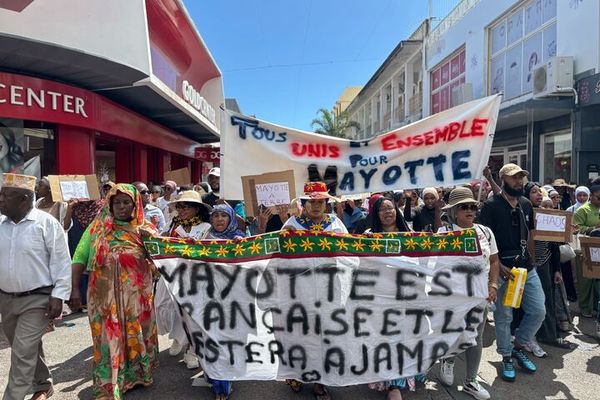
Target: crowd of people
90	255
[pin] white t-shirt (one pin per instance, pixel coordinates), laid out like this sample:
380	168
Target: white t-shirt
486	237
336	226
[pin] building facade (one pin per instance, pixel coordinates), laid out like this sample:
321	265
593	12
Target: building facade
524	50
538	53
124	90
345	99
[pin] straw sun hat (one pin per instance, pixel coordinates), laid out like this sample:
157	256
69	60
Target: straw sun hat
460	195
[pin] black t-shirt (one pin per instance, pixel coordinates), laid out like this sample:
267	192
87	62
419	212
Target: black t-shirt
423	219
504	221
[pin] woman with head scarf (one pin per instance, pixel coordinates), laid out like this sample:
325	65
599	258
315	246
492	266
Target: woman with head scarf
120	298
224	226
582	195
386	217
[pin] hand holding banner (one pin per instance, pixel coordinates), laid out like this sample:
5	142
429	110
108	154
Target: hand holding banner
337	309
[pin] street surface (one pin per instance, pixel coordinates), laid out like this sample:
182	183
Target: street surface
563	375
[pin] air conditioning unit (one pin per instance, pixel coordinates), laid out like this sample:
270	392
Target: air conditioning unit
462	94
552	75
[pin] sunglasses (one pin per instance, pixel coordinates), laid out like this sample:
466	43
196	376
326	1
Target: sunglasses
467	207
145	192
180	206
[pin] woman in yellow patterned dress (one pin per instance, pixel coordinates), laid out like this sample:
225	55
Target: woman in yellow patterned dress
120	298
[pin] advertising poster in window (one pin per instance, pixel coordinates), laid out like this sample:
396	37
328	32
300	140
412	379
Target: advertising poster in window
498	37
12	146
550	42
455	67
497	75
549	11
436	79
532	52
515	27
513	72
445	73
533	16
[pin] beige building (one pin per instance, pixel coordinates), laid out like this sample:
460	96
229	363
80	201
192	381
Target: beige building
345	99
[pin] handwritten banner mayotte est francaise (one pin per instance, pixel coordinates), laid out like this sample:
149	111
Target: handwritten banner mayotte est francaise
337	309
446	149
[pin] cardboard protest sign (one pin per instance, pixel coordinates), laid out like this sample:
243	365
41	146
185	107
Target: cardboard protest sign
270	189
552	225
590	248
67	187
337	309
446	149
180	176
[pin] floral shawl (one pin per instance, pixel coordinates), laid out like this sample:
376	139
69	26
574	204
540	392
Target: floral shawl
105	231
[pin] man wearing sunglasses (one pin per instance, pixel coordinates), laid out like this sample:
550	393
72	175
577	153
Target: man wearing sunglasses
510	217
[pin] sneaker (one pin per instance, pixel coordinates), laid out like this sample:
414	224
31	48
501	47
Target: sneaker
508	369
524	361
535	348
175	348
473	388
447	372
191	359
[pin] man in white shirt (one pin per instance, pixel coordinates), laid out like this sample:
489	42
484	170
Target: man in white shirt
35	267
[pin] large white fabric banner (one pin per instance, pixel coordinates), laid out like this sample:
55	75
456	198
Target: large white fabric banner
337	309
446	149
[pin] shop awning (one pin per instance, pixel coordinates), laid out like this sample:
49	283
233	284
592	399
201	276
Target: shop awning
538	110
123	84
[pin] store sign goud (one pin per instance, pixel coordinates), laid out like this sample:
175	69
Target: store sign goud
192	96
37	99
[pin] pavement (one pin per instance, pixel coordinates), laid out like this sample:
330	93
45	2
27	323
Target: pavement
571	375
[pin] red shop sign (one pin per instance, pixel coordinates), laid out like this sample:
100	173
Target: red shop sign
207	154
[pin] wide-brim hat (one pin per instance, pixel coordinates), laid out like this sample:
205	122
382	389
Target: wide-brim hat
460	195
190	196
561	182
317	191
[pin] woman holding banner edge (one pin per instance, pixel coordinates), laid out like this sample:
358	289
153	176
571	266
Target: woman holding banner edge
461	212
314	218
388	218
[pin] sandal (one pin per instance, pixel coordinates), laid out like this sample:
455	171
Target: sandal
321	392
295	385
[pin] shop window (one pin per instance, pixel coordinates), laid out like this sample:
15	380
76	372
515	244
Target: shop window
27	147
555	157
520	41
445	77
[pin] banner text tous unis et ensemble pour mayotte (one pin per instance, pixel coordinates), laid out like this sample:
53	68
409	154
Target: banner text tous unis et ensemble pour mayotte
446	149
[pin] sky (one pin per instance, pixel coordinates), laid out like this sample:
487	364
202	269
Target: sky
283	60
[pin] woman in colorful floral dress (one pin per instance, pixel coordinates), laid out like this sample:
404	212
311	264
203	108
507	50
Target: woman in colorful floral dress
120	298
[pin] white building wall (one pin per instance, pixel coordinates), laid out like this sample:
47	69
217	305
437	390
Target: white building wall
578	35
